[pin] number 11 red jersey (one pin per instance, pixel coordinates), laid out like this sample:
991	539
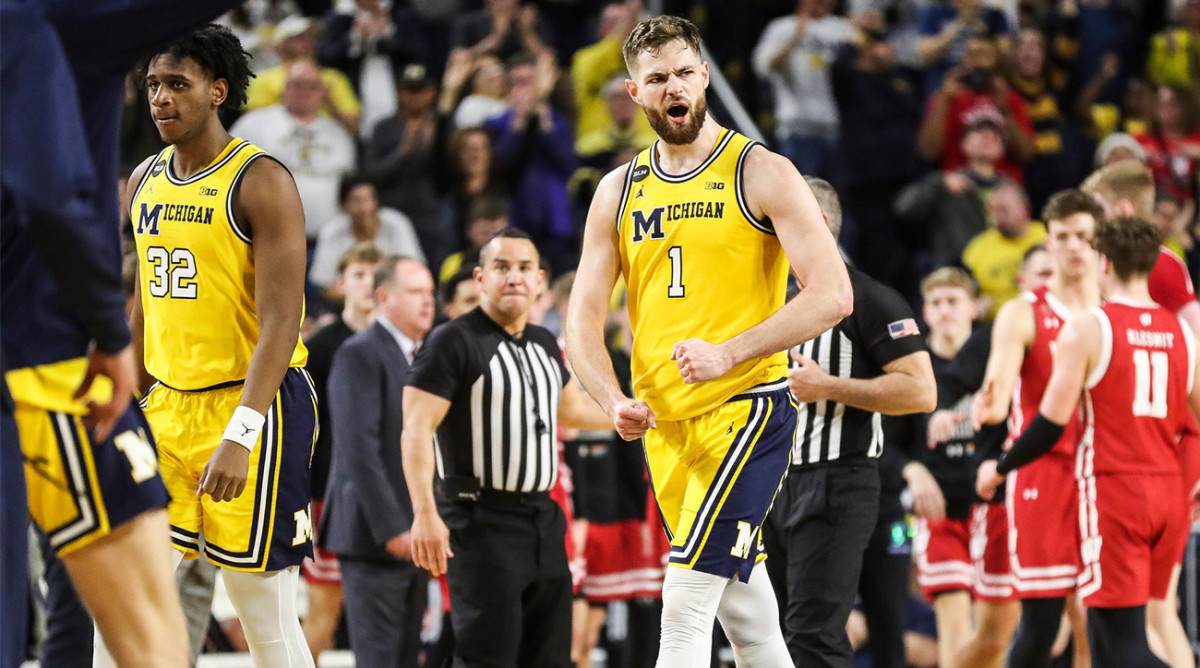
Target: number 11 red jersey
1136	406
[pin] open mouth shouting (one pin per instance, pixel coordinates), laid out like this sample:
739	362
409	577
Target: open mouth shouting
679	121
677	112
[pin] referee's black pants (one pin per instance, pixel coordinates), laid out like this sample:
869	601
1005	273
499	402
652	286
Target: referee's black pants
510	585
815	536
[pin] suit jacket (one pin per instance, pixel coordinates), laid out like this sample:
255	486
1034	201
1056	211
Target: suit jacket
366	499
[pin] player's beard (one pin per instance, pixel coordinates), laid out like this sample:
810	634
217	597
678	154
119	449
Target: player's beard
679	135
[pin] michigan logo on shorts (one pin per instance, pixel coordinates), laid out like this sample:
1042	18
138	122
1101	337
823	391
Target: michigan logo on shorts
79	490
269	526
716	475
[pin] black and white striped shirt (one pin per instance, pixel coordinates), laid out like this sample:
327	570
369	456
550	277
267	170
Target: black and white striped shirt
503	392
881	329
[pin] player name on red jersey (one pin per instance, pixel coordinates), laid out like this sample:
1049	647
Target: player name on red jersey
1145	339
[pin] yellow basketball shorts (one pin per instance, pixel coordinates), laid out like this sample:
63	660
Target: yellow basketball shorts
268	527
79	490
715	476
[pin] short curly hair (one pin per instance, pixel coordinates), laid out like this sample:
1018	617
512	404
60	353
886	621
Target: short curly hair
219	52
1130	243
652	34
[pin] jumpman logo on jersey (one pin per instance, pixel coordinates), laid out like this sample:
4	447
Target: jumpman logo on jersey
639	193
246	430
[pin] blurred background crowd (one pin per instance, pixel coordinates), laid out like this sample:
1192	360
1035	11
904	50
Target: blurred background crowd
424	126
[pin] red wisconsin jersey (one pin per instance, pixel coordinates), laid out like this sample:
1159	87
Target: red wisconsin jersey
1049	316
1136	405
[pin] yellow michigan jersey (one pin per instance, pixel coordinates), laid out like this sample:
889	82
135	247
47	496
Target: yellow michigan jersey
196	272
698	265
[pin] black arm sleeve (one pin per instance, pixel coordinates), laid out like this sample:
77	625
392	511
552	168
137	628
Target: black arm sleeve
1038	439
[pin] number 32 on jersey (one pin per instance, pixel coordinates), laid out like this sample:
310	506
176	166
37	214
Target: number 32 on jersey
173	272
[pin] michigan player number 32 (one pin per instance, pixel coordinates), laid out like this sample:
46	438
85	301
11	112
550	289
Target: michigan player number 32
174	272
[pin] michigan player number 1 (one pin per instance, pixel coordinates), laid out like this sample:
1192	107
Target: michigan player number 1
675	289
174	272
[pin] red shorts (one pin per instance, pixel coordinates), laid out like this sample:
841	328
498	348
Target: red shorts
1135	531
626	560
965	555
944	556
989	552
322	568
1043	528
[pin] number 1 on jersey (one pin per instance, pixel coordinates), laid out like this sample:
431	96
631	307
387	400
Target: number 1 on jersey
675	289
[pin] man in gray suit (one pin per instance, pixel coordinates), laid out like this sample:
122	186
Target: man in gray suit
367	508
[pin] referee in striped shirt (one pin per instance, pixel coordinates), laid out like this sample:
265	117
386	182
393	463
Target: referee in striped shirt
872	362
494	388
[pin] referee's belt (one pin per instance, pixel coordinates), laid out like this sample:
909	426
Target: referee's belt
468	489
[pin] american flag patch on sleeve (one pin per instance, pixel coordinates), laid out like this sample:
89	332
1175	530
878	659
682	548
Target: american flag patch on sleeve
906	327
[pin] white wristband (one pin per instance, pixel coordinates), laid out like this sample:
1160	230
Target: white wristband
244	427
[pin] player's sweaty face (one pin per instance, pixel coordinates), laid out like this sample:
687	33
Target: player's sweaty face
182	96
1070	244
670	87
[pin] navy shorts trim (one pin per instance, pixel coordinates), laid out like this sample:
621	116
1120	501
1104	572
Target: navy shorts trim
122	497
749	493
288	450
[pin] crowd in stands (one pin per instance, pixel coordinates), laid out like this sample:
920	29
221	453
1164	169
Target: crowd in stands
917	110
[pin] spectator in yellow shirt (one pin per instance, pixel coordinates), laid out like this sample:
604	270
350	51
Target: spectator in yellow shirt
1175	52
296	40
593	66
995	254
